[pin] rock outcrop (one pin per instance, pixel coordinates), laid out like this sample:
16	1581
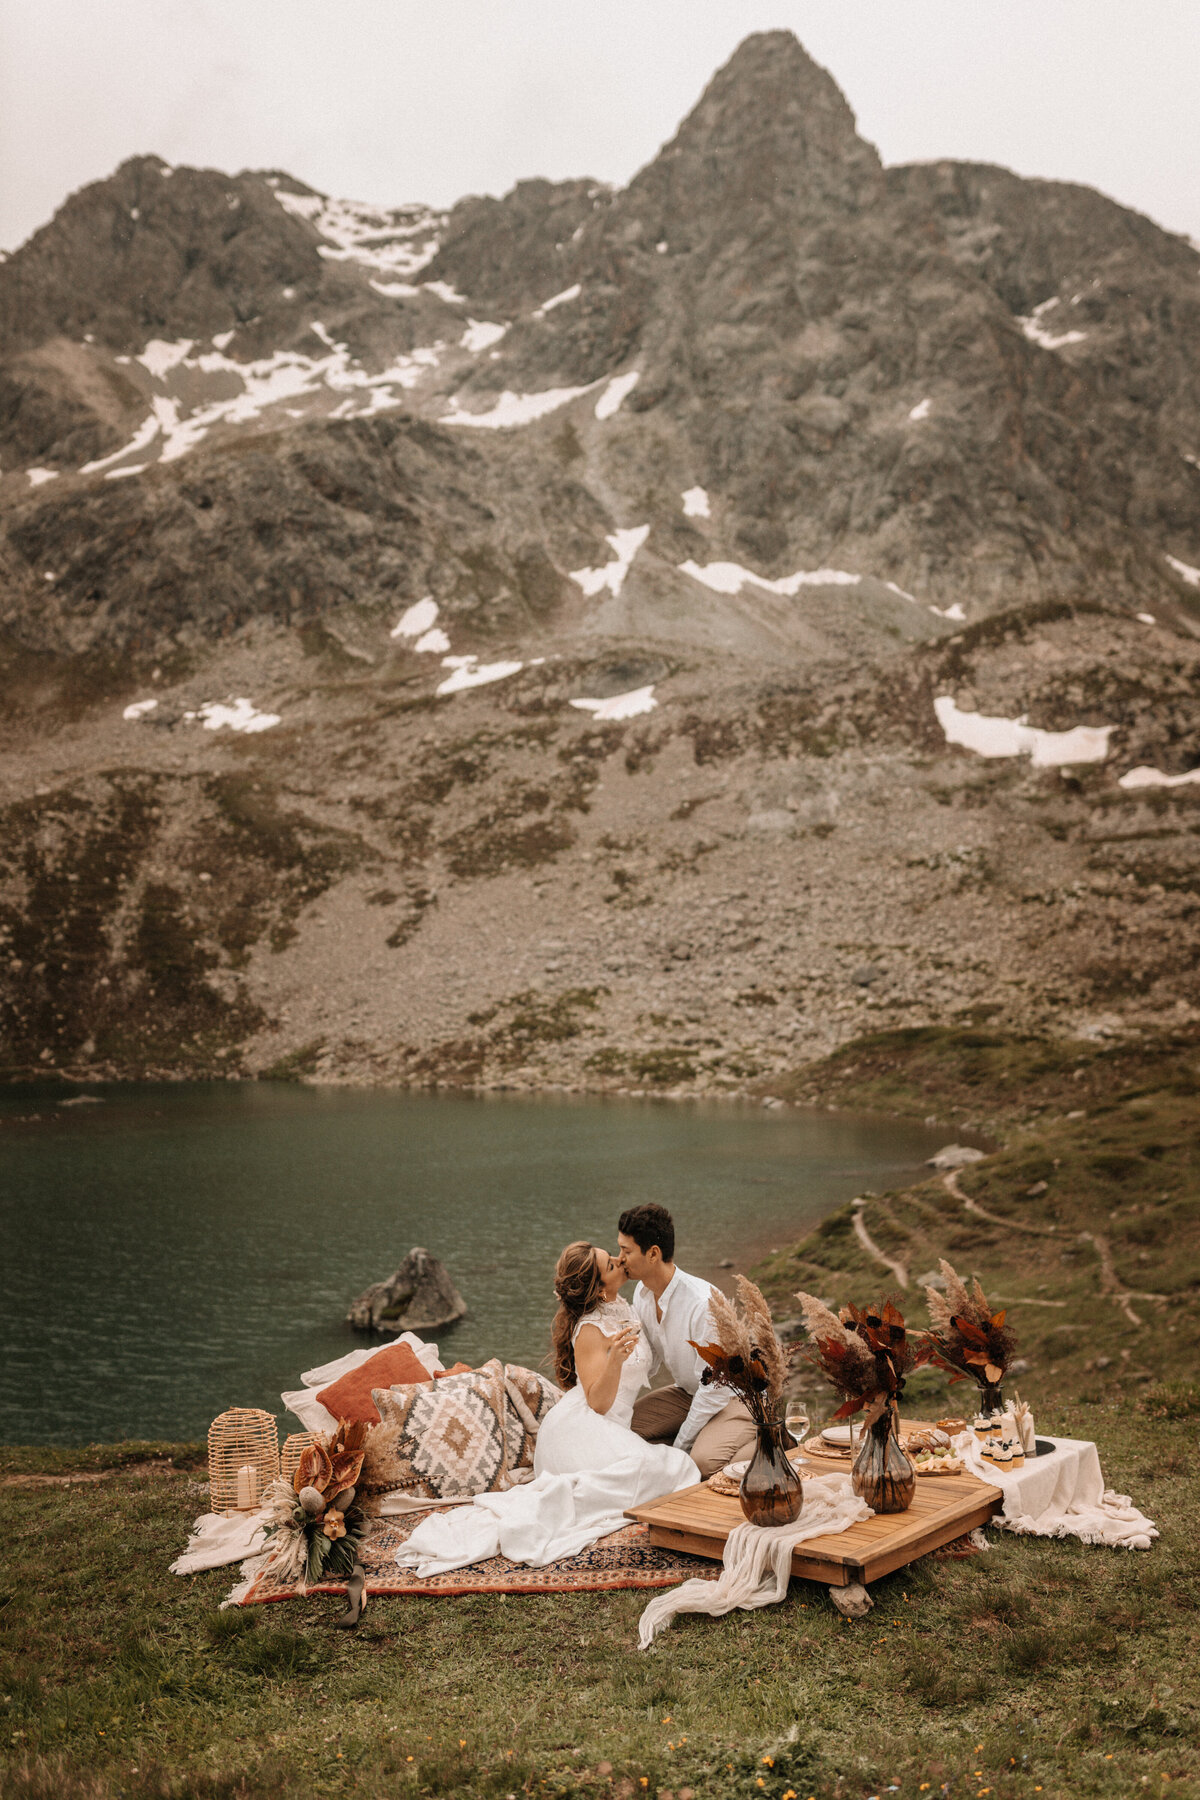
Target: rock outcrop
420	1296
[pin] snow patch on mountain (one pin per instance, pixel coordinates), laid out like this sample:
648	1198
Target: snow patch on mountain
571	293
160	356
695	504
419	623
1145	777
1013	737
620	706
610	400
730	578
480	335
397	241
625	546
38	476
921	410
469	672
242	715
445	292
182	423
1190	575
144	436
1037	333
515	409
418	619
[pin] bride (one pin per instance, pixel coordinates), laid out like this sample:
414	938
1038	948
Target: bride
588	1465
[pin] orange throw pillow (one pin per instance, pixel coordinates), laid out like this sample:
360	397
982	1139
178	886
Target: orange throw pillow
458	1369
349	1397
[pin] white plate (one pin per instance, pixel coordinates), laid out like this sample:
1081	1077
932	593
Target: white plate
837	1434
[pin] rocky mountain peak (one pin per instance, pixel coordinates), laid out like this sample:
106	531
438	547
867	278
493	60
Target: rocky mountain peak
772	130
154	250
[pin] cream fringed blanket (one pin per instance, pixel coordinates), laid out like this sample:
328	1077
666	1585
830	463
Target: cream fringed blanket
758	1559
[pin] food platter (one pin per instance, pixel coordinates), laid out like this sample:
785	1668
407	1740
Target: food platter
942	1465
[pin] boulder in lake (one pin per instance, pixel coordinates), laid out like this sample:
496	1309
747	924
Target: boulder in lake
420	1296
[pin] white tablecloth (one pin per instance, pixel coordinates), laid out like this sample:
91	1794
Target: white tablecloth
1062	1495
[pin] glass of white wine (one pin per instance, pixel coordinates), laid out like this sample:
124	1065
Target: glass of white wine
795	1417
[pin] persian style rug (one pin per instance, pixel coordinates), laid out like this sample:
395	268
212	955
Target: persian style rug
627	1559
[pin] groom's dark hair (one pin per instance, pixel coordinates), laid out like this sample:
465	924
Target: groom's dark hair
650	1224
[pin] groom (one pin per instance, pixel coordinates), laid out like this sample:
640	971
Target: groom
672	1307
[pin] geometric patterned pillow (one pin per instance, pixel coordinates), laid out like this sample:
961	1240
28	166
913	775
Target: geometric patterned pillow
530	1397
441	1440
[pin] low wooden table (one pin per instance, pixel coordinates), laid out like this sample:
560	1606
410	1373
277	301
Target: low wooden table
698	1521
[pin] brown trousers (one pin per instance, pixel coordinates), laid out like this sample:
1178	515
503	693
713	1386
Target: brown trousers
658	1415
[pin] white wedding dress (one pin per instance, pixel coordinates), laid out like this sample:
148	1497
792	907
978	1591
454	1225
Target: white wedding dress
587	1468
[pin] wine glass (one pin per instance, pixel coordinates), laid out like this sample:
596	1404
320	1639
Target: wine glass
795	1418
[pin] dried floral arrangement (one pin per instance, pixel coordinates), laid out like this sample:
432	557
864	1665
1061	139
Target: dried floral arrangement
966	1336
864	1353
747	1357
313	1527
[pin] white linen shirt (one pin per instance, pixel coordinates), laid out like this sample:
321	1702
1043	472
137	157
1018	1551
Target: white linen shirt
685	1315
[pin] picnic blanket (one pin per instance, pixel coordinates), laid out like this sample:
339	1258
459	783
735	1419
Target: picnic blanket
624	1559
1062	1495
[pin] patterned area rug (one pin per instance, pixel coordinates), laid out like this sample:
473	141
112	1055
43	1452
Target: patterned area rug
627	1559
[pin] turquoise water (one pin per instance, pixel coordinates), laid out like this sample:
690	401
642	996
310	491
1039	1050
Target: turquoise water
179	1249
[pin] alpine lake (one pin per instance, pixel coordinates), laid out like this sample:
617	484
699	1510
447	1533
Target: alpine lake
174	1250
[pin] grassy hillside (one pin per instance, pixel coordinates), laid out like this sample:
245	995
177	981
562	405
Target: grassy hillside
1036	1668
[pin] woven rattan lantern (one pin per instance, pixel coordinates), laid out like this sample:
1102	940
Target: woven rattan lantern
293	1449
243	1458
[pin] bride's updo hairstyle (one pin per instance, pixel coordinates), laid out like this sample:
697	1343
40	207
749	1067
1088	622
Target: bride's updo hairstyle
579	1287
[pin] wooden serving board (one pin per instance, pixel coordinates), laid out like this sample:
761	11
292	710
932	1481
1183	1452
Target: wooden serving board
698	1521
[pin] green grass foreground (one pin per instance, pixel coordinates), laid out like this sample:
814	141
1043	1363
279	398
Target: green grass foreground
1037	1668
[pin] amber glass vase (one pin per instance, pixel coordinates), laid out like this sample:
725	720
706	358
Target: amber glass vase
882	1474
772	1492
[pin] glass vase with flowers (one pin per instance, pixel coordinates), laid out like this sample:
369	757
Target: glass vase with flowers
865	1355
747	1358
969	1339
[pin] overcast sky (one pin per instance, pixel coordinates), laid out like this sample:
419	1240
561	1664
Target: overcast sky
391	101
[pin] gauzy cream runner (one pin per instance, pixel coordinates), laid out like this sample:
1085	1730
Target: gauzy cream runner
1062	1495
758	1558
